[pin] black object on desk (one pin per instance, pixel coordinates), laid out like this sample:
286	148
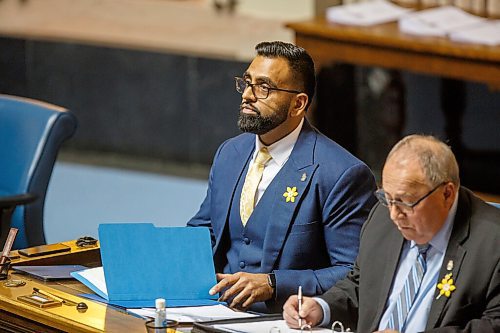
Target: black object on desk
86	241
4	269
42	250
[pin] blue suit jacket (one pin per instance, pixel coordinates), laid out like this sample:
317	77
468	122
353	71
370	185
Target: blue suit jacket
312	242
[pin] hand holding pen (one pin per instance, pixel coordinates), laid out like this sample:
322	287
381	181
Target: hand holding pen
301	313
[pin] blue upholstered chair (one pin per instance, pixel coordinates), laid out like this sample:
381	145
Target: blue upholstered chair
31	133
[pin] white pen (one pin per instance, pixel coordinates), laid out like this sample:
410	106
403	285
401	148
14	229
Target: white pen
299	297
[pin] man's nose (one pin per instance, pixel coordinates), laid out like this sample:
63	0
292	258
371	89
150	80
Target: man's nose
394	211
248	94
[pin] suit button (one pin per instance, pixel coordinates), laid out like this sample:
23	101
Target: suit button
246	240
242	264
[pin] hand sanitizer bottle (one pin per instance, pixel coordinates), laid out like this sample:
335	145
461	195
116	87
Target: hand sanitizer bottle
160	313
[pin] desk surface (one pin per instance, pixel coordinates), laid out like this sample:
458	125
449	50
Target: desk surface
186	27
23	317
97	318
385	46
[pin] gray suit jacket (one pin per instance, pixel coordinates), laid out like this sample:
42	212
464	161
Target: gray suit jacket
359	299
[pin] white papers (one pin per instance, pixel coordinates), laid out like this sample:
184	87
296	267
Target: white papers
195	313
94	279
439	21
487	32
264	326
365	13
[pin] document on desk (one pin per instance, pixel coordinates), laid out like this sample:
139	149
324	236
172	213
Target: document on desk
365	13
438	22
197	313
263	326
486	33
94	279
142	262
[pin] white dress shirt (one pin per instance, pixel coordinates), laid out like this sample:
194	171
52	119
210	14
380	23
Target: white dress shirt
280	152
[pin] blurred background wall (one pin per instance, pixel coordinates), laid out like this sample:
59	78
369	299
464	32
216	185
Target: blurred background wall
152	84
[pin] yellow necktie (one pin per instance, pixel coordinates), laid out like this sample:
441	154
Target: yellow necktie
254	175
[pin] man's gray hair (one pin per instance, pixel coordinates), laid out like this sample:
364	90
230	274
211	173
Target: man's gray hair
435	157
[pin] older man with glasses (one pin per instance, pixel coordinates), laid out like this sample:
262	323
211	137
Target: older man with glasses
285	204
429	259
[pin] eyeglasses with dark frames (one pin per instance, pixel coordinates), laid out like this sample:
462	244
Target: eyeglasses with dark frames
259	90
404	207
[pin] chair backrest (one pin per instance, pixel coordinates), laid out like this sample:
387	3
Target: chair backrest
31	133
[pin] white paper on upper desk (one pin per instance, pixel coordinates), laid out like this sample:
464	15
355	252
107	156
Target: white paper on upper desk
439	21
487	33
195	313
365	13
264	326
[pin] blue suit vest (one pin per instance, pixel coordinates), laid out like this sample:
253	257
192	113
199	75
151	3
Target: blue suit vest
246	243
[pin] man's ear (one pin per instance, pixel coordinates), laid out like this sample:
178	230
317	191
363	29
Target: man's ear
449	192
300	105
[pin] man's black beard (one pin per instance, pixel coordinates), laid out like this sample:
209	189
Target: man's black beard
258	124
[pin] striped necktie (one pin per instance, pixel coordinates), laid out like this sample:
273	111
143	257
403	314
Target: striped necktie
254	175
410	290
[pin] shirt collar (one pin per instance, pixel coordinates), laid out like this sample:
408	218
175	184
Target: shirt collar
280	150
440	240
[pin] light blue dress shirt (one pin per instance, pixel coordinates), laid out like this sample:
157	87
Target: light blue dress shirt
419	312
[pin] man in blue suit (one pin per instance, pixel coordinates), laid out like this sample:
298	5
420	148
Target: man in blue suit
284	204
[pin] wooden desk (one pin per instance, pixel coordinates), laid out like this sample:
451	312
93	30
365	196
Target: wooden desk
385	46
174	27
87	256
16	316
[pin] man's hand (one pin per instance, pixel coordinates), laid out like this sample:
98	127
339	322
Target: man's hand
246	288
311	314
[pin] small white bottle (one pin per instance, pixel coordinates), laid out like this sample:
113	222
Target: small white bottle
160	313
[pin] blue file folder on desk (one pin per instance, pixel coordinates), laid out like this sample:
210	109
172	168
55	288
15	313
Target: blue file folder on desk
142	262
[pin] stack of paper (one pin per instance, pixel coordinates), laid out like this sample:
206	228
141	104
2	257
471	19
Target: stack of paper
365	13
487	32
264	326
439	21
94	279
196	313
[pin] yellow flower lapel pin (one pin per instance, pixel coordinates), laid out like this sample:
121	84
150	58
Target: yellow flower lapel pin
446	286
290	194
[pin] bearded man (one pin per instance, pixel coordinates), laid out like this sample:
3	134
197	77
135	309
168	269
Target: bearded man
284	204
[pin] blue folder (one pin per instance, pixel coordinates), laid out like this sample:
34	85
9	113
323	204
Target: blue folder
142	263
